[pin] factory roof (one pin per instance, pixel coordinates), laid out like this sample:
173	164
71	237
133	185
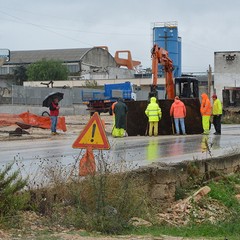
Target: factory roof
64	55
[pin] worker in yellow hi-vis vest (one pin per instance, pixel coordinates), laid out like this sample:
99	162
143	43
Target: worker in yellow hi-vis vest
154	114
217	114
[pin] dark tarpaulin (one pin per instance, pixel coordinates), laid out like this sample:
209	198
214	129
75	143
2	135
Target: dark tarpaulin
137	121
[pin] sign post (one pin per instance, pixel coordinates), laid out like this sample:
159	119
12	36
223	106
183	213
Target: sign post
93	136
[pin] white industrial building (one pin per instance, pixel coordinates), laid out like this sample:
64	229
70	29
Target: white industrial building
226	70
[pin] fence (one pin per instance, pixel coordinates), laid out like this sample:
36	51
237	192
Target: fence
35	95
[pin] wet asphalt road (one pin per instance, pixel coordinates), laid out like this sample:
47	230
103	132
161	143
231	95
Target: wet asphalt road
30	155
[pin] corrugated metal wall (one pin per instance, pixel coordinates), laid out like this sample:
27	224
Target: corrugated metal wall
35	96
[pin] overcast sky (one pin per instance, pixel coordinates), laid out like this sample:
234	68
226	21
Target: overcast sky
205	26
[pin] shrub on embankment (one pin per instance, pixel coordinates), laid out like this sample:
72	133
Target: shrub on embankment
102	202
13	197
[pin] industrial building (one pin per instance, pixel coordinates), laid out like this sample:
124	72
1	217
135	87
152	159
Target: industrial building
226	70
86	63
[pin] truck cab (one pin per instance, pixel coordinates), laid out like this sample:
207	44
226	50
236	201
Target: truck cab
101	101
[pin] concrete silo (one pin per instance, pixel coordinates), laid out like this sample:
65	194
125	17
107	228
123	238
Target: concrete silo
165	35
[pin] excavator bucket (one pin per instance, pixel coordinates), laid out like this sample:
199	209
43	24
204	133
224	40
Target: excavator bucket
137	121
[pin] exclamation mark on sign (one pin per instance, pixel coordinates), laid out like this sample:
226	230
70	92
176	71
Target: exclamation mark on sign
93	132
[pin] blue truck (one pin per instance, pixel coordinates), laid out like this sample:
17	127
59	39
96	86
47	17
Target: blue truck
101	100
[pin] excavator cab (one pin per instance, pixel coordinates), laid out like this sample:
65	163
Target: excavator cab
186	87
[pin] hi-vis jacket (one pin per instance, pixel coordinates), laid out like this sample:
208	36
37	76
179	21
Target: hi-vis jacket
217	107
206	108
178	109
153	111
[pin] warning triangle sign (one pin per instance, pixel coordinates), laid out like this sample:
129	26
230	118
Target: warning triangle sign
93	135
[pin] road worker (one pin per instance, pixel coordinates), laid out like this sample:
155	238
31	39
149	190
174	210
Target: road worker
178	111
154	114
120	111
217	114
206	111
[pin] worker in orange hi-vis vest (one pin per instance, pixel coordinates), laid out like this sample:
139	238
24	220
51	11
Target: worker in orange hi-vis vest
206	111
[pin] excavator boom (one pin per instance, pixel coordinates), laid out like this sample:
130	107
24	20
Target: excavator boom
160	56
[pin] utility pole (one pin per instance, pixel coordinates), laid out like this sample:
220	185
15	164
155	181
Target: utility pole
209	80
166	36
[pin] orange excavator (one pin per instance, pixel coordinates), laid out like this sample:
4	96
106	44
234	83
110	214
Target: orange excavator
185	87
160	56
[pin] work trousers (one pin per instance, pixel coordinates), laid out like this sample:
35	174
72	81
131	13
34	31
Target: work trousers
217	123
182	124
153	128
54	120
118	132
206	124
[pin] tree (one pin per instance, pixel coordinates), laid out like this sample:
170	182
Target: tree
47	70
20	74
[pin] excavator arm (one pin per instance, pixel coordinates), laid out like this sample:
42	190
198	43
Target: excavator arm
160	56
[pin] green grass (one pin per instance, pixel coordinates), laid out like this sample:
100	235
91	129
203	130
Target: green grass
230	230
224	192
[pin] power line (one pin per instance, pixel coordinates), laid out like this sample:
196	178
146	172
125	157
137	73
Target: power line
77	30
44	28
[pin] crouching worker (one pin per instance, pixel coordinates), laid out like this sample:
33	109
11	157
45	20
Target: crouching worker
154	114
120	111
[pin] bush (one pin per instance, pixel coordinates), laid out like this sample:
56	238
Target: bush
102	202
12	198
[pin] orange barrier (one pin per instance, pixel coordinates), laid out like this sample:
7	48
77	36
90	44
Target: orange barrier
87	165
31	119
9	119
